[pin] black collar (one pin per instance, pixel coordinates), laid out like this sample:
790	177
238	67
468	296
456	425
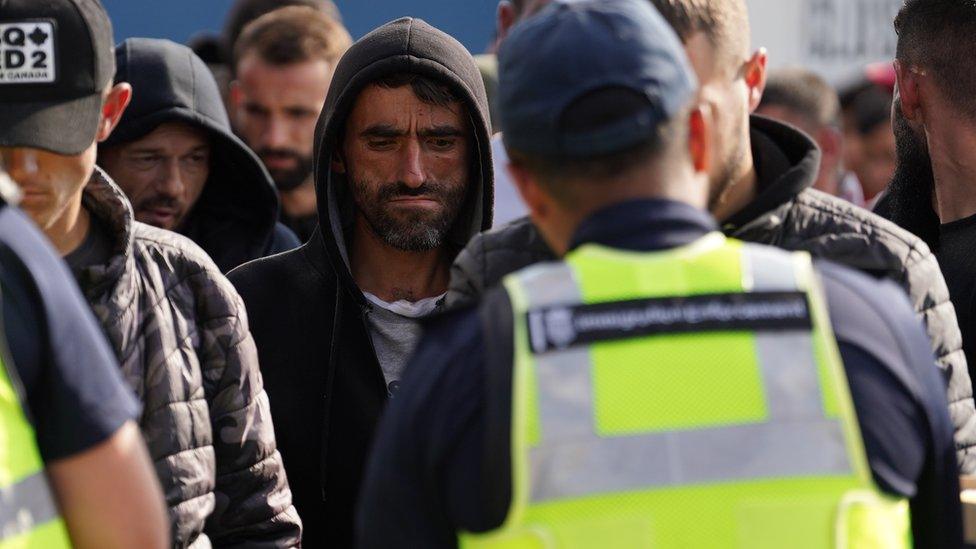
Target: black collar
644	226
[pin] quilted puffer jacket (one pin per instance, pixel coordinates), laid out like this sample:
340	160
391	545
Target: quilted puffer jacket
788	214
180	332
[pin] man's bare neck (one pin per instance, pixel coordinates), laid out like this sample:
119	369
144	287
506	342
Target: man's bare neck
954	168
69	231
300	201
391	274
740	194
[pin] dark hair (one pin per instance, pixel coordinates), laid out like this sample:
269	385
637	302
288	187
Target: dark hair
595	111
804	93
870	109
426	89
245	11
293	35
724	22
940	35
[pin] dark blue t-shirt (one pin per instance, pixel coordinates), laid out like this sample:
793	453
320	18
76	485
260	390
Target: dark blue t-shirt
75	394
441	463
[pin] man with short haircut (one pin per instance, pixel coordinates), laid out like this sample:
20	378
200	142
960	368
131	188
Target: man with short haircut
661	386
804	100
403	178
760	192
243	12
73	459
932	192
283	63
178	328
175	157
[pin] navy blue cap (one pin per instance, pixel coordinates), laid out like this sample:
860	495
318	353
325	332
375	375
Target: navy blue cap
573	48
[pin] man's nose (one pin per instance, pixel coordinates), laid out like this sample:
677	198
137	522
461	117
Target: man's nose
412	170
170	184
276	134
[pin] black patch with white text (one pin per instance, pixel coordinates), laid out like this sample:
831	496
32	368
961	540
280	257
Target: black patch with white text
559	328
27	52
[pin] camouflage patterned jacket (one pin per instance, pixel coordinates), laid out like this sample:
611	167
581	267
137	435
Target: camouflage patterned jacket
181	335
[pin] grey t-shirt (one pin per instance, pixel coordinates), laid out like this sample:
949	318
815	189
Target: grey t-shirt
96	249
395	331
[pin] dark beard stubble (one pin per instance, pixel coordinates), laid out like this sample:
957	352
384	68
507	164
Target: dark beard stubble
413	231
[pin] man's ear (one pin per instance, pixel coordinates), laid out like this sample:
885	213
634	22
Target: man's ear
755	77
831	142
907	91
112	109
505	16
699	138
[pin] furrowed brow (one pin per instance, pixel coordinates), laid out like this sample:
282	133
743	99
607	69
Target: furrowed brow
441	131
382	130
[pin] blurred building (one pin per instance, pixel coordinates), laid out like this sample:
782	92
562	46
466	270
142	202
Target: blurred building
834	38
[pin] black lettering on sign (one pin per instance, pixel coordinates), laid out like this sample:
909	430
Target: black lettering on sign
28	52
845	30
13	59
558	328
15	36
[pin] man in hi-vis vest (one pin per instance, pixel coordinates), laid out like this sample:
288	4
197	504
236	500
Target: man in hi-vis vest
661	386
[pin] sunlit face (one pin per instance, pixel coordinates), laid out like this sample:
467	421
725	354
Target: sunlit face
407	162
50	182
275	111
163	173
724	90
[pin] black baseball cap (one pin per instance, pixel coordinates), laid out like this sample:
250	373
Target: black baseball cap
56	59
573	49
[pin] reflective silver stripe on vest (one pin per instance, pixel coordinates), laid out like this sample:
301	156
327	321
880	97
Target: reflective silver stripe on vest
572	460
26	505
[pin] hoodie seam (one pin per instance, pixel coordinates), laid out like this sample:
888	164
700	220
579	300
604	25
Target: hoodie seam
406	49
193	82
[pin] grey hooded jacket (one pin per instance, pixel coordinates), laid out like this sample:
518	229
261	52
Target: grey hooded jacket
787	214
180	333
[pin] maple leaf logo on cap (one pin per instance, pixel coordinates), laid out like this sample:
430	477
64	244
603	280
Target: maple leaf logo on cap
38	37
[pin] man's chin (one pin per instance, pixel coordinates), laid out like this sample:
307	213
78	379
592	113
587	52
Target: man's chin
165	221
288	180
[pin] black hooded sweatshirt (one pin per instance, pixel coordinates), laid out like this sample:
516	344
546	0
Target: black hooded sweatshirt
235	219
308	316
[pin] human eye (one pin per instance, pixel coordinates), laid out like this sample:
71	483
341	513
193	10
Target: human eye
381	144
146	161
197	160
442	143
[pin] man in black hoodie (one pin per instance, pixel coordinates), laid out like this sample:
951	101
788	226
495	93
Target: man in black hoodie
177	160
403	179
761	192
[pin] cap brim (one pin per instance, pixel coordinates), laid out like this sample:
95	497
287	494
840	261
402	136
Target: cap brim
66	127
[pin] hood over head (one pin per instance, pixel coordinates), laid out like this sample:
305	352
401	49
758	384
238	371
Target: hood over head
235	217
787	162
406	45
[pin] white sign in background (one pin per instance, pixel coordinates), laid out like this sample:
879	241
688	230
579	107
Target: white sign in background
27	52
835	38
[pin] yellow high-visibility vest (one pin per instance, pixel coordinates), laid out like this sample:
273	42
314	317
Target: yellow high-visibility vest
691	398
29	516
